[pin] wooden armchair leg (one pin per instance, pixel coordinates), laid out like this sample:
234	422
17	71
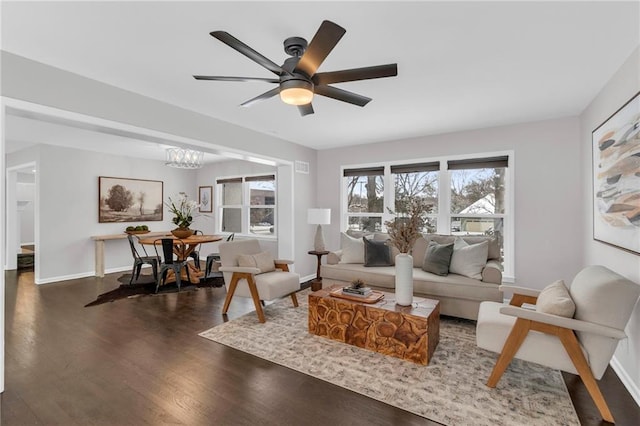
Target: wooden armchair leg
510	348
256	298
294	299
232	289
571	345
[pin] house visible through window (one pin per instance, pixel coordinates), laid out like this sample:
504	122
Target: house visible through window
248	205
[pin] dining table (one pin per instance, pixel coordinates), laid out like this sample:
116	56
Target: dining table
182	248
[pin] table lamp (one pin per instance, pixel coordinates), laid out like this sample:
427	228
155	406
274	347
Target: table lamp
319	217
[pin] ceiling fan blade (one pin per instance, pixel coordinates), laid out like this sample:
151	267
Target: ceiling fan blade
366	73
326	38
236	44
305	109
266	95
342	95
243	79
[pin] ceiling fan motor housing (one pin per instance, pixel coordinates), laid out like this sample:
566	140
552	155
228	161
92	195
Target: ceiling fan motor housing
295	46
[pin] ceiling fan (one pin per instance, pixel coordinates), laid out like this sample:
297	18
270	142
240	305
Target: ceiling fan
297	78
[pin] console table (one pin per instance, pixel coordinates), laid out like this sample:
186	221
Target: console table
99	246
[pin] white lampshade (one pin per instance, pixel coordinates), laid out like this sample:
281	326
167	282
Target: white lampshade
319	216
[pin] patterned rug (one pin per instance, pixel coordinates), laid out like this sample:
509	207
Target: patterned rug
450	390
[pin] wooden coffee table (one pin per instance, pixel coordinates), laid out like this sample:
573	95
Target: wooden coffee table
407	332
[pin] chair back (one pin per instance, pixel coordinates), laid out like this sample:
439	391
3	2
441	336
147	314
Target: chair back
606	298
229	252
167	249
231	236
134	252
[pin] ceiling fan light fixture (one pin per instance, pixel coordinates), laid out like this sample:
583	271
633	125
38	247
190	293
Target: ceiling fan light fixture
296	92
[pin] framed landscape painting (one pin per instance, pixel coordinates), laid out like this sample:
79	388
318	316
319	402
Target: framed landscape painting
129	200
616	178
205	199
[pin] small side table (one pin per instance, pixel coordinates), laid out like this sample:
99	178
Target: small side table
317	284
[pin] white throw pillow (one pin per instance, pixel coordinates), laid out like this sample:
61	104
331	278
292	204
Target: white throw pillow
263	261
352	249
555	299
469	259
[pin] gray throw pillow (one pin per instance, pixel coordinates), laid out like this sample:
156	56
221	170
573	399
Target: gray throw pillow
469	259
437	258
376	253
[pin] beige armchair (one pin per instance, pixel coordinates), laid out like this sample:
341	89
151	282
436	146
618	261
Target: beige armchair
247	275
581	345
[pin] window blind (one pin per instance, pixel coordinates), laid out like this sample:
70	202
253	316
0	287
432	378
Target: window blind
366	171
479	163
418	167
259	178
231	180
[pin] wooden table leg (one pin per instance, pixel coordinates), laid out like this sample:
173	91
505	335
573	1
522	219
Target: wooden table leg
99	258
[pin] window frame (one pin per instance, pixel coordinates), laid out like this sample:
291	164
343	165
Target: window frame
444	214
246	206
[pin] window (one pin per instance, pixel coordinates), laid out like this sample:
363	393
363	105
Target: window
262	204
478	197
365	198
417	180
248	205
466	196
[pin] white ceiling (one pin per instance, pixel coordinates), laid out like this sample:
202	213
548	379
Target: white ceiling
462	65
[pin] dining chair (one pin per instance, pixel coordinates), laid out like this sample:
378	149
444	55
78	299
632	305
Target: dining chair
195	254
169	262
214	257
138	261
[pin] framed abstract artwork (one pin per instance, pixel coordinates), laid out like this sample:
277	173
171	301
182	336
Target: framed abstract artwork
616	178
129	200
205	199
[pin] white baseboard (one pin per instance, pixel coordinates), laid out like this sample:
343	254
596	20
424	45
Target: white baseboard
307	278
633	389
64	278
79	275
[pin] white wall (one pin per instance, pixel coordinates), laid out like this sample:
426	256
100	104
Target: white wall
68	208
623	85
547	188
34	82
26	192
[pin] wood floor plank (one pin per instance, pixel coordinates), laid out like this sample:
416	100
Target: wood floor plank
140	361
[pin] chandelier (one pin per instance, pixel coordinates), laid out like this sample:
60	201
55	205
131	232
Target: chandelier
184	158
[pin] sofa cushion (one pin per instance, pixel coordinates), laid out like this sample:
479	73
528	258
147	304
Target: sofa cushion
437	258
469	259
352	249
554	299
376	253
418	251
452	285
494	244
263	261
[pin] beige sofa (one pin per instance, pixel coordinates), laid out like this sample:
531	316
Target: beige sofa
459	295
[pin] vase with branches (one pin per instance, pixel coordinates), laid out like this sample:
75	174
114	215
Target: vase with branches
403	231
405	228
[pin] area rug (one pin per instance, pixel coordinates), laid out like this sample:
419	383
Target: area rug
146	286
450	390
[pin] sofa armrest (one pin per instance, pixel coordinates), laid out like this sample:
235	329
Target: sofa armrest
333	258
570	323
492	272
240	269
283	261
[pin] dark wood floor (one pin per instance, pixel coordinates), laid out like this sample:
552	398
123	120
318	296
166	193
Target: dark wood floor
139	361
